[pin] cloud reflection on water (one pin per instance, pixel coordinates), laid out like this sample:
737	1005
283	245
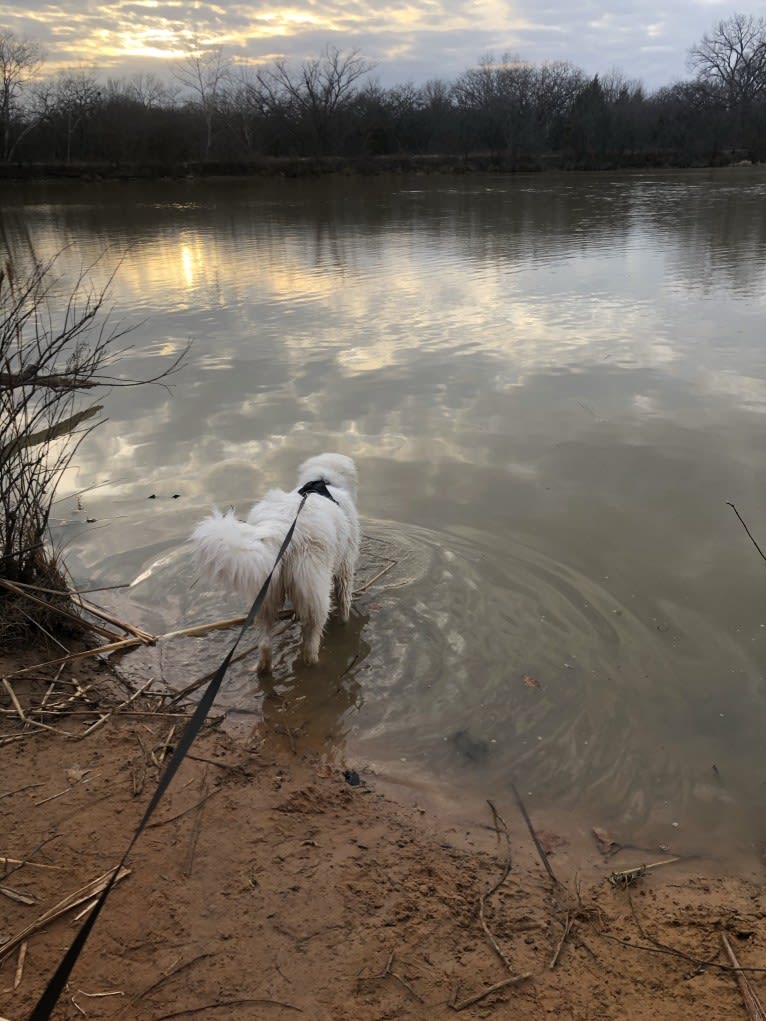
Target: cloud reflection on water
573	364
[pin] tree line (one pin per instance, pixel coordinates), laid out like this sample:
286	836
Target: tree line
213	110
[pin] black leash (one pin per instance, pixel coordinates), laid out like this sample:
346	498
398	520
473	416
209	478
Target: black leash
52	992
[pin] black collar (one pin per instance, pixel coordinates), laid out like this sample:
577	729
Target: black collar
317	486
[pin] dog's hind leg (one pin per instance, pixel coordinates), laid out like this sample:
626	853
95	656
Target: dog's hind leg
344	589
265	626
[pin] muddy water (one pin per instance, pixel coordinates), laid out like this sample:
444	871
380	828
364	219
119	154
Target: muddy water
551	386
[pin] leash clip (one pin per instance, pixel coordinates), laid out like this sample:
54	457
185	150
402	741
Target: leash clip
317	486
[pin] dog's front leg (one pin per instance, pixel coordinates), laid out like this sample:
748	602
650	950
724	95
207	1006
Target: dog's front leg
344	589
312	603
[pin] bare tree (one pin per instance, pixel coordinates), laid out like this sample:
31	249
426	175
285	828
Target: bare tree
76	95
499	98
733	58
204	73
317	91
150	91
20	62
558	85
144	88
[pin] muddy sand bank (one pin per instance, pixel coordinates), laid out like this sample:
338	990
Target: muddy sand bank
269	886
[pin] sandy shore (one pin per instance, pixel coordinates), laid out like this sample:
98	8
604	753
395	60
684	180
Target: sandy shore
268	886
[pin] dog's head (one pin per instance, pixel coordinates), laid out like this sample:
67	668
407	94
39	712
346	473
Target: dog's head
333	469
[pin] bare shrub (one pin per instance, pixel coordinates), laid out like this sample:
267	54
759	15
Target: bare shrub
51	362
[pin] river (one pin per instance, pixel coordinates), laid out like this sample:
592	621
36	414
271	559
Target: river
551	385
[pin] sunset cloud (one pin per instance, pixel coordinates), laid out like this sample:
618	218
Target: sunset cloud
409	39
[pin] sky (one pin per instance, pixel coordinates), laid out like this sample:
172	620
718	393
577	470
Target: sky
408	40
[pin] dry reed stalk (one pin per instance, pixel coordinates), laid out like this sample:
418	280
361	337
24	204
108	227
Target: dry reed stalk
60	708
752	1003
164	747
131	629
625	877
116	709
88	907
122	644
377	577
66	790
22	715
72	617
73	900
37	624
4	861
20	966
139	713
100	996
20	898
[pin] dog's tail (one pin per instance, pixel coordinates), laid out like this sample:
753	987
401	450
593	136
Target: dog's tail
233	552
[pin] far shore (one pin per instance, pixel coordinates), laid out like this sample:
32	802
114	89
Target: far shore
366	166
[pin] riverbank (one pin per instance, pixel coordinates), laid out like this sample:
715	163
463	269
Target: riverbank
269	884
364	166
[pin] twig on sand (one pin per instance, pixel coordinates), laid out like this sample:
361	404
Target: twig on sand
160	981
539	847
753	1005
116	709
219	1004
469	1002
663	948
388	970
503	876
568	922
18	790
196	827
500	827
173	818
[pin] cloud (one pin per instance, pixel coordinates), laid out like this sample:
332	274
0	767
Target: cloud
411	39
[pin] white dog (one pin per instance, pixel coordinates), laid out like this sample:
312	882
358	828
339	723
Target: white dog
324	548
